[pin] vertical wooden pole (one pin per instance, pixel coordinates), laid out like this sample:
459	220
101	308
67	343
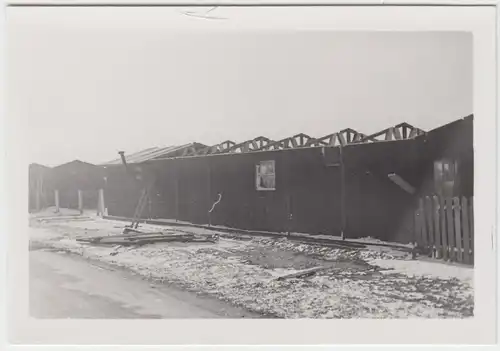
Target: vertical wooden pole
150	207
288	185
56	195
444	234
38	193
176	166
450	225
466	229
343	211
458	228
437	232
423	221
472	233
209	191
416	228
100	205
80	201
289	214
430	225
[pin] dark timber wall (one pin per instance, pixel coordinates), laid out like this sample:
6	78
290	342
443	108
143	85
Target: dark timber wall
121	191
38	178
453	141
71	177
307	198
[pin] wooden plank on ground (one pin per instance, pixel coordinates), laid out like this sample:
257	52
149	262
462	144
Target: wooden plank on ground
450	227
437	227
466	229
429	224
444	233
302	273
458	228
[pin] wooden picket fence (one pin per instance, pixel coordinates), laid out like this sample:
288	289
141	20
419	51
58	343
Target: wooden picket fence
444	228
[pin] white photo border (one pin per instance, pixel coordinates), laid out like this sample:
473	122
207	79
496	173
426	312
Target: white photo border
481	21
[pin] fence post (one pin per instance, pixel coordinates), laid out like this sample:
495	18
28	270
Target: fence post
437	227
56	195
458	229
444	235
466	229
429	225
451	232
80	201
472	233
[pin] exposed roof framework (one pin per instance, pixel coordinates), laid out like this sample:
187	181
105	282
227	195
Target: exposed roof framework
344	137
296	141
251	145
156	153
401	131
215	149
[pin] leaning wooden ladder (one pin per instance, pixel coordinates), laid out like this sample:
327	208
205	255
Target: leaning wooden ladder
143	200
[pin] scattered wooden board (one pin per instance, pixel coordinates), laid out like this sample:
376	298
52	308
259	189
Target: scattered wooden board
302	273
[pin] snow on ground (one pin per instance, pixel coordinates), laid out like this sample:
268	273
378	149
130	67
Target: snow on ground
367	240
426	269
357	283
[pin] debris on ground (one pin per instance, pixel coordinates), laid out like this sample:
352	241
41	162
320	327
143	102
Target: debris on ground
302	273
358	282
136	237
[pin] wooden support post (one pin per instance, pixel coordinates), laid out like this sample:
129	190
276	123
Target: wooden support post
56	195
80	201
101	206
471	231
150	207
289	214
417	230
450	227
437	227
176	192
444	233
209	190
423	223
430	225
38	194
458	228
466	229
343	211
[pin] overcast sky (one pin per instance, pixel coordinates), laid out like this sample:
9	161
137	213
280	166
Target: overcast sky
87	93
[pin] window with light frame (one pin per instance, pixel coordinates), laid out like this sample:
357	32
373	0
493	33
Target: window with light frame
265	175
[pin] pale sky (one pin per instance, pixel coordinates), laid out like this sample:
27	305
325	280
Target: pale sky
87	93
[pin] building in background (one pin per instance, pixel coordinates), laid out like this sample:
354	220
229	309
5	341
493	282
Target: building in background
344	184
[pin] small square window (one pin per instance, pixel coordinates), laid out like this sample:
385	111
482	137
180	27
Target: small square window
445	176
265	176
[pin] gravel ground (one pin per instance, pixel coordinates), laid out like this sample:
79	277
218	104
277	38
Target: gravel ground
357	283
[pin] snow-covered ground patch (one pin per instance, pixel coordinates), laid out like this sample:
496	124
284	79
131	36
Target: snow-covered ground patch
426	269
356	283
366	240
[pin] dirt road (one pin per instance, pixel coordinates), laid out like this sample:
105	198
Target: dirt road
68	286
374	282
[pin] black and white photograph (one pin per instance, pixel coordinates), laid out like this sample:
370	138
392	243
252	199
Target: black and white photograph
218	172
